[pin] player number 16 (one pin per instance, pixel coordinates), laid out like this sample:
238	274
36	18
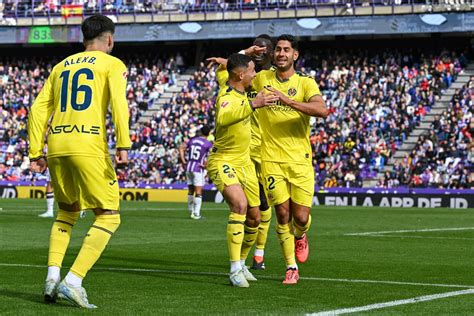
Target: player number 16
75	89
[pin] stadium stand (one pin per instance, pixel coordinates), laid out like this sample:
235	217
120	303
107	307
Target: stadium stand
445	157
15	9
375	103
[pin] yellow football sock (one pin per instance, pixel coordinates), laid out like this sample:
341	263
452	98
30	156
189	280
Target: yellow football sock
60	236
235	235
287	243
250	235
301	230
266	218
94	243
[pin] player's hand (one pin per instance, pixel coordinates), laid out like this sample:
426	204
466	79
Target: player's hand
283	98
121	157
264	98
216	61
254	50
39	165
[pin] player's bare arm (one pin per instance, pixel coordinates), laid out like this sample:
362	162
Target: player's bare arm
181	153
315	107
216	61
254	50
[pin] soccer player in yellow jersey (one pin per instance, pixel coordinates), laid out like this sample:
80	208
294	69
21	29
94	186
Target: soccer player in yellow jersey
261	53
286	150
229	164
78	93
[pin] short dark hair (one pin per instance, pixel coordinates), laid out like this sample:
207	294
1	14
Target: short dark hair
290	38
265	36
237	61
205	130
95	25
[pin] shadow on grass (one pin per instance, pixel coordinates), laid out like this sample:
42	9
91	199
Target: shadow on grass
152	263
29	297
220	280
36	298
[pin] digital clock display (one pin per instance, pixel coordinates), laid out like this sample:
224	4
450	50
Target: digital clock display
40	35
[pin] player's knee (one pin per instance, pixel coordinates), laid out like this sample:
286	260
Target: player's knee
239	207
301	218
110	222
68	217
253	219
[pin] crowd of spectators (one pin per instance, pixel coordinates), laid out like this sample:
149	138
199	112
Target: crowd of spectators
22	79
445	157
375	101
24	8
155	144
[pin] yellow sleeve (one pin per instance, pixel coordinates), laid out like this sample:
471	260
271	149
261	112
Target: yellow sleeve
222	76
117	79
38	117
257	82
310	88
231	111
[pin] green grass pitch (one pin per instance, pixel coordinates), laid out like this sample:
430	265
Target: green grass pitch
162	262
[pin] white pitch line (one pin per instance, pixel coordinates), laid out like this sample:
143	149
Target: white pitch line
413	300
33	209
261	276
410	231
420	237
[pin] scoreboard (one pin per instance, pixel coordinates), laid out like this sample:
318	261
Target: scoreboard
48	34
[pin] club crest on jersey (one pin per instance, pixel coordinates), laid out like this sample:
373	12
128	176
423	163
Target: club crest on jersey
224	104
291	92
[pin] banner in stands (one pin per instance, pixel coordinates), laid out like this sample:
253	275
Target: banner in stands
421	198
226	29
400	197
39	192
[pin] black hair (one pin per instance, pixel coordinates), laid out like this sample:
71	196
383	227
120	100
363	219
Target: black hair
95	25
237	61
290	38
265	36
205	130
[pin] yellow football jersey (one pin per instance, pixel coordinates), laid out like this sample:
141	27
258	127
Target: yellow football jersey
285	131
233	112
77	93
256	140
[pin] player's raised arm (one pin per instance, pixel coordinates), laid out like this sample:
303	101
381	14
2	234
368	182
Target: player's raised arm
38	117
222	62
117	78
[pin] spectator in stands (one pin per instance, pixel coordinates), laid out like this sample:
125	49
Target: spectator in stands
375	99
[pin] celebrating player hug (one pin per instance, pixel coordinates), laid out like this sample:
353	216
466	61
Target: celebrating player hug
285	151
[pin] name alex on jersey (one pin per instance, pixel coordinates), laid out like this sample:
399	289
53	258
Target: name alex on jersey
80	60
